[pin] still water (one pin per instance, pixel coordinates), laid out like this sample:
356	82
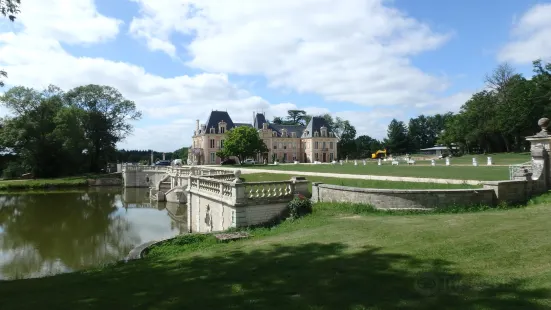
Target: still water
48	233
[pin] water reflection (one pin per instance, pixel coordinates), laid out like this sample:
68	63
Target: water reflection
48	233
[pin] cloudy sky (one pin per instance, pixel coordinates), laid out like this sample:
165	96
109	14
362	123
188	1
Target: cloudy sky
365	60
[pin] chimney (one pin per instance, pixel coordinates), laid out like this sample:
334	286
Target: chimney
197	125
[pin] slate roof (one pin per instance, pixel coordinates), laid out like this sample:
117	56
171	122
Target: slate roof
314	125
259	120
216	117
290	128
242	124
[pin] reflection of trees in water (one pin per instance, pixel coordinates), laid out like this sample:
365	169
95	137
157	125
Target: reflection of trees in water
45	233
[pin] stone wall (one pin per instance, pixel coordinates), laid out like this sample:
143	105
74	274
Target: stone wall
105	182
259	214
492	194
402	199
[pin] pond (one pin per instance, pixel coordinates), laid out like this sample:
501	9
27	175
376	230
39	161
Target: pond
54	232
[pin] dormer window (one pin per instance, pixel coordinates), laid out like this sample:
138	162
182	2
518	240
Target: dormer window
323	131
284	132
316	134
222	127
306	132
293	134
212	130
274	134
265	126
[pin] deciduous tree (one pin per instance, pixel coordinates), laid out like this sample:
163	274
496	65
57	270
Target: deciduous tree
243	142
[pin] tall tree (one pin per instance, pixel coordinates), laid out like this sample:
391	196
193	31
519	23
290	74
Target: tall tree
106	119
243	142
397	137
296	117
278	120
30	133
8	8
347	144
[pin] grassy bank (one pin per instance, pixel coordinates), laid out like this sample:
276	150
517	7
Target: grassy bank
483	173
261	177
37	184
336	258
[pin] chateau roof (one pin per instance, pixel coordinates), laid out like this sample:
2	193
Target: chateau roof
314	125
298	129
216	117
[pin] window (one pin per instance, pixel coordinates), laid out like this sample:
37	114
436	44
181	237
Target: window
323	147
316	145
293	134
212	143
330	156
212	130
212	158
331	145
274	134
316	156
275	146
222	143
222	129
316	134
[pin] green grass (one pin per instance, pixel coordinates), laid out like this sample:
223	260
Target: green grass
461	168
67	182
337	258
482	173
262	177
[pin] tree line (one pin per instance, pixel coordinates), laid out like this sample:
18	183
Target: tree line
495	119
52	133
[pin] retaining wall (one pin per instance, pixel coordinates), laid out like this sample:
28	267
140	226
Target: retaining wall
491	194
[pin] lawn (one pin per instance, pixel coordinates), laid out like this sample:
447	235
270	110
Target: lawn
482	173
337	258
67	182
498	159
262	177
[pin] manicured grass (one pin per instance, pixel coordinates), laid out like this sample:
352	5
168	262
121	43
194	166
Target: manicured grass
482	173
67	182
262	177
497	158
336	258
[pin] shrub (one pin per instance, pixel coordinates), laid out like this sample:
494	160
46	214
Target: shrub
299	206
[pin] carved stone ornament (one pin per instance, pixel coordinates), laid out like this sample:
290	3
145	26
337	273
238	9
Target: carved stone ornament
543	123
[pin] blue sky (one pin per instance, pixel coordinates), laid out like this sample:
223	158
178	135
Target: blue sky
364	60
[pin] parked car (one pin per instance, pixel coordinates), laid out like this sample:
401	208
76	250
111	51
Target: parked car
249	161
162	163
228	161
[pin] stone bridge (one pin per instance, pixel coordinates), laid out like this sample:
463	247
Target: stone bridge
218	202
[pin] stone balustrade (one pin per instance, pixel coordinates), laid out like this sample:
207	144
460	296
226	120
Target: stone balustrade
269	190
218	202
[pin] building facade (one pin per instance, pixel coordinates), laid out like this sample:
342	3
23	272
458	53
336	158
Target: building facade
286	143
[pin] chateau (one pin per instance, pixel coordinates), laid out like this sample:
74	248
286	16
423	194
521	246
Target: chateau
289	143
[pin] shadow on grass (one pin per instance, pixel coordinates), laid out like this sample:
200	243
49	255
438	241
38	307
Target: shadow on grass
310	276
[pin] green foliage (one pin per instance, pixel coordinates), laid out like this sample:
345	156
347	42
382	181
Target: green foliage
299	207
55	133
397	141
243	142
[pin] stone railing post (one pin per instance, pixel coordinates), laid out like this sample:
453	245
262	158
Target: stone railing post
238	189
300	185
540	146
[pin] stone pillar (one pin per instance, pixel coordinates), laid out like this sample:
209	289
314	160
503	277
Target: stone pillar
540	146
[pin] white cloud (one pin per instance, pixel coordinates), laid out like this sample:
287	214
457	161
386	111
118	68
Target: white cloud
531	37
345	52
70	22
351	50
